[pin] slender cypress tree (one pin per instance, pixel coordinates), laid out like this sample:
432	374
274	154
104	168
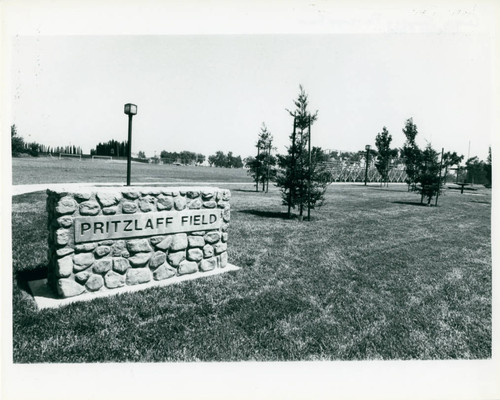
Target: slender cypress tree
384	154
295	168
261	167
411	153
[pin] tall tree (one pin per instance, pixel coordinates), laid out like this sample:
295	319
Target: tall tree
476	171
384	154
487	167
429	181
183	157
411	153
110	148
229	159
449	160
268	160
236	162
17	142
34	149
200	158
261	167
211	160
295	170
219	159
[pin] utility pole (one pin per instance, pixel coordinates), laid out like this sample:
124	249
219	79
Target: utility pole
439	182
367	148
309	174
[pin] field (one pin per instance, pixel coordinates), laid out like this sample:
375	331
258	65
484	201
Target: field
374	275
47	170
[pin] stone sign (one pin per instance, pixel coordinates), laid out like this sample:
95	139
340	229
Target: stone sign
106	238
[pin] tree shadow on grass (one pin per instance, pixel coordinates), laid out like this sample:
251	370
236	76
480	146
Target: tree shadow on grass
480	202
411	203
244	190
389	189
33	274
266	214
465	189
277	214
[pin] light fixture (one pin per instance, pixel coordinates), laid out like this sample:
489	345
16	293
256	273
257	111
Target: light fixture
130	109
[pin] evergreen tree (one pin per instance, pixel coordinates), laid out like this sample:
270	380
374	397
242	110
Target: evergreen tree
261	167
487	167
449	160
429	182
111	148
476	171
411	153
34	149
229	160
295	170
384	154
17	142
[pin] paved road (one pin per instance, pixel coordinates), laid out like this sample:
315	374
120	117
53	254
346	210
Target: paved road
21	189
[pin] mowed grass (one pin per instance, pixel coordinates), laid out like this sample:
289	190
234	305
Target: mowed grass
32	170
372	276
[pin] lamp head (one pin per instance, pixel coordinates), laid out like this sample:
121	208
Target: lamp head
130	109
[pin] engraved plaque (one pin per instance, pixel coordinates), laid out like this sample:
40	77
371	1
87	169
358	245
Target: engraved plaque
89	229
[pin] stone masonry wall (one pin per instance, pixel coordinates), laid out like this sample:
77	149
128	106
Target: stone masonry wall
107	264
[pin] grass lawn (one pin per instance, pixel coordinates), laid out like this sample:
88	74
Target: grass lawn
31	170
372	276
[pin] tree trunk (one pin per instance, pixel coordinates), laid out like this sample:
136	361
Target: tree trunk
289	202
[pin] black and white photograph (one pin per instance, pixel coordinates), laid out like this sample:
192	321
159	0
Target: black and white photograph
255	200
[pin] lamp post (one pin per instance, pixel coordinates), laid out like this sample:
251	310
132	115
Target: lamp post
292	169
130	110
367	148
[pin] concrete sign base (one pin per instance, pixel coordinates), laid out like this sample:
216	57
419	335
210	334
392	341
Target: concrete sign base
46	298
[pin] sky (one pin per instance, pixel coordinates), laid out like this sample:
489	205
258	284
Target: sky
205	93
